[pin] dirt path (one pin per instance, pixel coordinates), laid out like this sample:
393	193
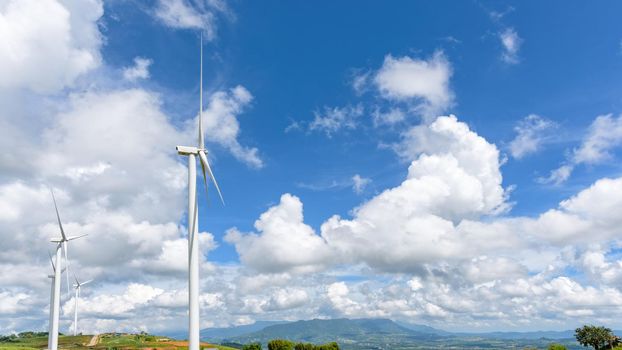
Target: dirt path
94	340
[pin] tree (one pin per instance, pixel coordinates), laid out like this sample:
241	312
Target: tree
597	337
280	344
252	346
556	346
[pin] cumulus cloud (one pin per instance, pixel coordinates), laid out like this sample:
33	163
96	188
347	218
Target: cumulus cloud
140	69
455	175
511	43
293	245
531	133
442	229
48	54
424	83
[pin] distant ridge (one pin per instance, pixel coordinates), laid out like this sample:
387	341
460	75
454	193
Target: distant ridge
341	330
379	333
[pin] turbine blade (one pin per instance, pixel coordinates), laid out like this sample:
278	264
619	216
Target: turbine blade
201	137
76	278
76	237
51	261
210	173
204	175
66	265
62	232
83	283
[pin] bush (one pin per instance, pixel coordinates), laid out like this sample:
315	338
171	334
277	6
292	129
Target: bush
252	346
280	344
304	346
556	346
308	346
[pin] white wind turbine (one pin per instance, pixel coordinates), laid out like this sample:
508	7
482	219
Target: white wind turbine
77	286
61	244
193	221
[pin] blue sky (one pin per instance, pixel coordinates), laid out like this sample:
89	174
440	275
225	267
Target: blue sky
406	160
296	58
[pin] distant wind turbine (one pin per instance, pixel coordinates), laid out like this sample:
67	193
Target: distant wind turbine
77	286
61	246
193	220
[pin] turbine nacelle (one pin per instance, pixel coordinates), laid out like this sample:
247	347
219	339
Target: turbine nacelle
186	151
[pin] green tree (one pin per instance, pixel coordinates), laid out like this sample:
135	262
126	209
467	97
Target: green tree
328	346
597	337
252	346
556	346
304	346
280	344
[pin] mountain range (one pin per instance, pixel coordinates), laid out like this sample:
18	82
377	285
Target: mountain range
378	333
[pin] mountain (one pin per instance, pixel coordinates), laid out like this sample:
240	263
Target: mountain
359	334
217	334
344	331
424	329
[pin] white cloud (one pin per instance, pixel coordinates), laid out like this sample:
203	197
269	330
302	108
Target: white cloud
222	126
359	183
391	117
48	54
558	176
511	45
336	118
294	245
455	176
425	83
140	70
531	133
604	135
360	82
185	14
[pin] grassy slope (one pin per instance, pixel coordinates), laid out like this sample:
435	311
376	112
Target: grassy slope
107	341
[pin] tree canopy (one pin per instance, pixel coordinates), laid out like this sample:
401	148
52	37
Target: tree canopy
598	337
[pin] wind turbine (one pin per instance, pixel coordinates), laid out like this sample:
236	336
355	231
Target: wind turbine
193	218
77	286
61	246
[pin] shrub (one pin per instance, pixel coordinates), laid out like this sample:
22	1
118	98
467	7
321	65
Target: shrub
280	344
252	346
556	346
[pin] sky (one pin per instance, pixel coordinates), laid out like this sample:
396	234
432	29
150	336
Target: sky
454	164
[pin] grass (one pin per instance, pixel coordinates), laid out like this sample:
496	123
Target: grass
106	342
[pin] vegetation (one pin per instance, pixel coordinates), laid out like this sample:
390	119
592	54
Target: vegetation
598	337
109	341
252	346
557	346
280	344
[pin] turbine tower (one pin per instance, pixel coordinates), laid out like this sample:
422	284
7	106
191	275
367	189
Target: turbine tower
61	246
193	220
77	286
51	299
